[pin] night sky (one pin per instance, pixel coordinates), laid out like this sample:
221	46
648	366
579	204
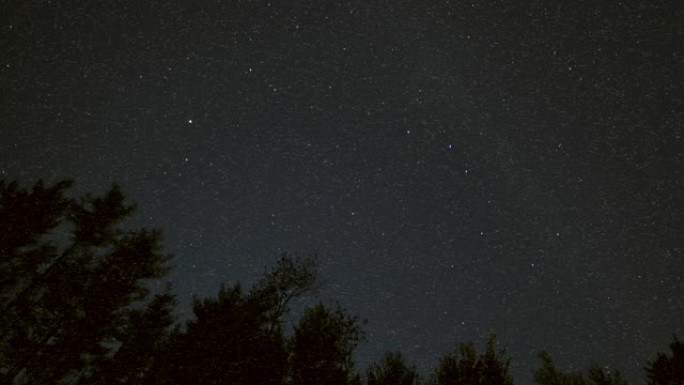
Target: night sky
460	168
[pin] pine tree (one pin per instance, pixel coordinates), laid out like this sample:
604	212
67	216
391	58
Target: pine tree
668	370
392	370
322	347
467	368
237	337
71	275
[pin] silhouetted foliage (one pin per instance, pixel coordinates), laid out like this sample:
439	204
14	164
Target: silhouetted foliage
322	347
74	309
69	277
237	338
292	278
392	370
598	376
229	342
668	370
141	339
467	368
548	374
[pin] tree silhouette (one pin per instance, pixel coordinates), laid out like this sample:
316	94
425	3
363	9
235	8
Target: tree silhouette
465	367
70	275
237	338
668	370
229	342
392	370
600	377
141	339
548	374
74	308
292	277
322	347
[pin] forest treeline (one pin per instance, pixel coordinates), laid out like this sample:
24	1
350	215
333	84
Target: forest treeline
76	309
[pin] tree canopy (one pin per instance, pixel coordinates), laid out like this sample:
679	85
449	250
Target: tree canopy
465	367
392	370
548	374
75	308
70	274
237	337
322	347
668	369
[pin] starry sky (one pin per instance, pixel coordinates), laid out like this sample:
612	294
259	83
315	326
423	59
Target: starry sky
460	167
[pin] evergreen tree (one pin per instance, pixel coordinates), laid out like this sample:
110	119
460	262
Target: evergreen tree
237	338
465	367
229	342
392	370
70	275
140	338
668	370
600	377
548	374
322	346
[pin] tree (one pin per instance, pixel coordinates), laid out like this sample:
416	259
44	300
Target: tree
141	338
392	370
229	342
548	374
668	370
465	367
322	346
71	277
237	337
292	277
600	377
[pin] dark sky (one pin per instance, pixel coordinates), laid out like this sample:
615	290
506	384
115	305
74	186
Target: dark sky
461	168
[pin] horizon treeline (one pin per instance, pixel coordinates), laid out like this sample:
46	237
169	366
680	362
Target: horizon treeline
76	309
